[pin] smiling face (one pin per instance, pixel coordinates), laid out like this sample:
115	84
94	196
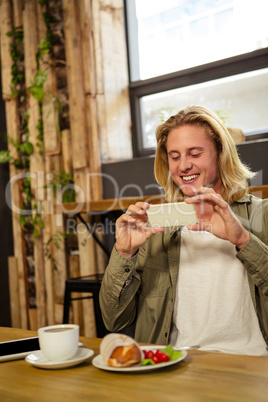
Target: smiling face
192	159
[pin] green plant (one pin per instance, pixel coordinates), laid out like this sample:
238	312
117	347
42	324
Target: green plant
63	181
5	156
40	136
16	54
33	220
44	47
49	41
37	87
24	151
27	189
164	113
56	240
225	116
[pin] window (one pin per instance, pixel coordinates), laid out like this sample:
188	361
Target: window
208	52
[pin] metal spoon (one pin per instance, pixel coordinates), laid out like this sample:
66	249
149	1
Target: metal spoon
189	347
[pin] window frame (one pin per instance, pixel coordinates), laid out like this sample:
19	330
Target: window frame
242	63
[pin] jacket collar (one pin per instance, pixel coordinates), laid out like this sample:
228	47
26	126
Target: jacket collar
244	199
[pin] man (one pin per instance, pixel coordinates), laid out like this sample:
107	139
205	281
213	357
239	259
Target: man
206	283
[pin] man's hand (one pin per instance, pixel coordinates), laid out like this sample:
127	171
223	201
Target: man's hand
216	216
132	230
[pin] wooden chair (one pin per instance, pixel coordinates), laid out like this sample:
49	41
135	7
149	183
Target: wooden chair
85	284
259	191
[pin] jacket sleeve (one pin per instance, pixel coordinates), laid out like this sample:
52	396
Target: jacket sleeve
254	255
119	291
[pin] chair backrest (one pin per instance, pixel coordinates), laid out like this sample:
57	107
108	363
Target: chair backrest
259	191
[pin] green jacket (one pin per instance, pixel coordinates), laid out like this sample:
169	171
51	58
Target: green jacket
142	289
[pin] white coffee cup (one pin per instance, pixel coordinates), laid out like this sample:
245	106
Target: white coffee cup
59	342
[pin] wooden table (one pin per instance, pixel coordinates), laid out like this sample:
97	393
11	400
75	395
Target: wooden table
202	376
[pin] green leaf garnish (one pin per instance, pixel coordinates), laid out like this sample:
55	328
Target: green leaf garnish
173	354
147	362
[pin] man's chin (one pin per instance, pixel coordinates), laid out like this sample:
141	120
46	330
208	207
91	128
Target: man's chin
188	190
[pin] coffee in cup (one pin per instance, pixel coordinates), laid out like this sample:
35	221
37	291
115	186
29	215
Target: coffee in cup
59	342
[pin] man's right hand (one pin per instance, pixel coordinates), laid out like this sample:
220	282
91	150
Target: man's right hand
132	230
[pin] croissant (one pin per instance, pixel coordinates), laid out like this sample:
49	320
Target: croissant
120	350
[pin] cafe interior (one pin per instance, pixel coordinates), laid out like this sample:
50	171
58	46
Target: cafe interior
83	86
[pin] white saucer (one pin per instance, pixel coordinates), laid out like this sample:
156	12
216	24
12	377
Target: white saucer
22	355
38	359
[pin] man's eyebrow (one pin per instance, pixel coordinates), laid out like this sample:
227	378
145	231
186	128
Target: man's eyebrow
198	148
190	149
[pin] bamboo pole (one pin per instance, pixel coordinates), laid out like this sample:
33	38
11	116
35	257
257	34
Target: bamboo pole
48	263
58	252
97	40
12	126
90	92
102	127
33	320
58	255
30	49
94	152
12	122
14	292
115	79
86	254
77	305
86	25
86	246
101	258
60	274
52	165
50	115
75	83
17	13
66	151
36	160
6	60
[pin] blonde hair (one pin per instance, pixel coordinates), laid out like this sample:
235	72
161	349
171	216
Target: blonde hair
233	173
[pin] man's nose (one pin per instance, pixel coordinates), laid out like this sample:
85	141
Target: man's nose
185	164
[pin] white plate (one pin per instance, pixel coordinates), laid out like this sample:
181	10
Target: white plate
38	359
99	363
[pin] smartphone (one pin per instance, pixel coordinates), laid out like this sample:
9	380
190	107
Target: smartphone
171	214
18	348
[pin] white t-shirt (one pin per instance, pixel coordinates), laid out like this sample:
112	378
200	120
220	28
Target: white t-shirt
213	306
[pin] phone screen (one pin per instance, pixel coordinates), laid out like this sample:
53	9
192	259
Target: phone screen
19	346
171	214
